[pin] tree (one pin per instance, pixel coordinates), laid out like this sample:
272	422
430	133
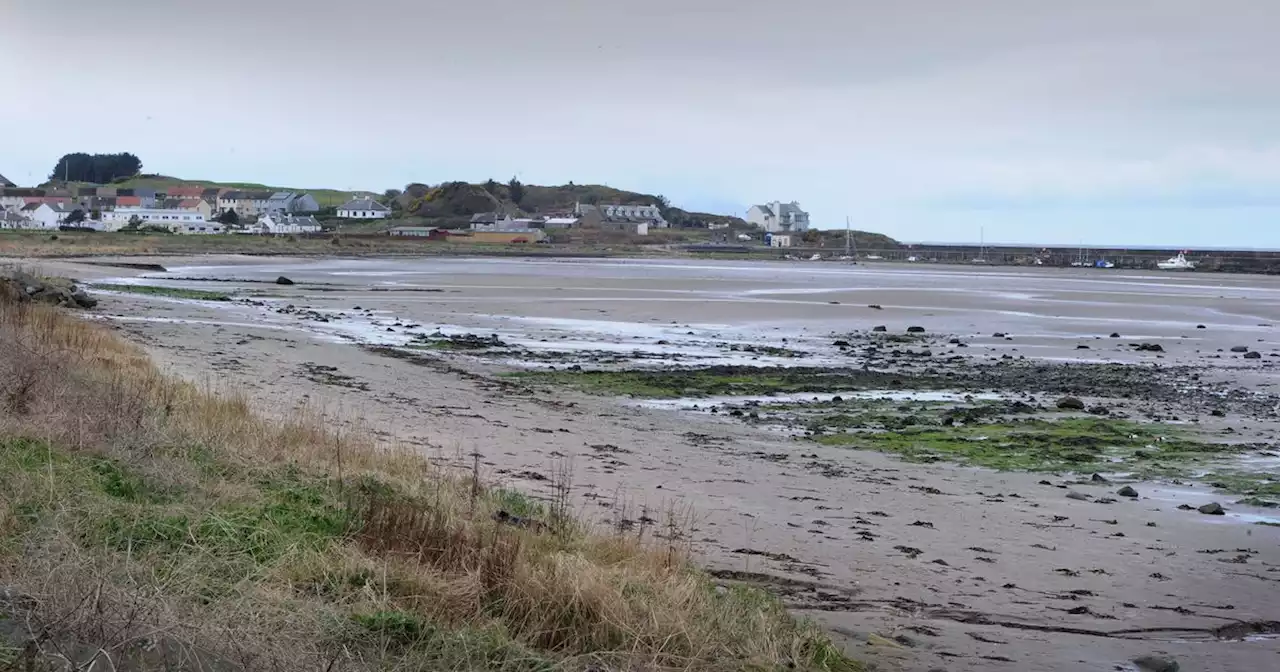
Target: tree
76	217
96	168
228	217
516	190
812	236
389	196
135	223
96	215
491	185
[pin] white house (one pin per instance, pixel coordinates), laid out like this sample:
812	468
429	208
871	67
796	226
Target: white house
47	215
778	240
777	216
281	224
171	218
198	228
363	208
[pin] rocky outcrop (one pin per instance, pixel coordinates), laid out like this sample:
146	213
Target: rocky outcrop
21	287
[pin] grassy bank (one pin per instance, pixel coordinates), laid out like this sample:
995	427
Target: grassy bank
156	525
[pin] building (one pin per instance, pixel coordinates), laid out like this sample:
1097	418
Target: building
172	219
48	215
617	216
777	239
244	203
14	220
289	202
777	216
428	232
491	221
562	223
198	228
279	224
5	183
363	208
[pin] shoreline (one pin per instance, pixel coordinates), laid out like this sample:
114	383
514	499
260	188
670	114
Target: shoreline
824	526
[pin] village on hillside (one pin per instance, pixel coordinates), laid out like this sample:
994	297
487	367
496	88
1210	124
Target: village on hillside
207	209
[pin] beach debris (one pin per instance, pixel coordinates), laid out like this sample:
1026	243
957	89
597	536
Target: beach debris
1212	509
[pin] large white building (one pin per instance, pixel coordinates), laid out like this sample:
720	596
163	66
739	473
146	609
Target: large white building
279	224
363	208
178	221
255	203
778	217
47	215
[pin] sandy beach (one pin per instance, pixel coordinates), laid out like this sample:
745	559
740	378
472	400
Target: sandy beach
915	566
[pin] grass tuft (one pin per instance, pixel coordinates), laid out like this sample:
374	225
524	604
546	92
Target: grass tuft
173	292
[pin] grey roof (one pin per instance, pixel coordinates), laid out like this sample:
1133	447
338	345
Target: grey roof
790	208
30	207
247	196
766	208
363	204
11	216
282	195
4	182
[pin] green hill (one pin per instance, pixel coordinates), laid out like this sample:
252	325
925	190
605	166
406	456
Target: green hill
326	197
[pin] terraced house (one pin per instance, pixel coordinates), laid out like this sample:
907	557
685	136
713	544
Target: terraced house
256	203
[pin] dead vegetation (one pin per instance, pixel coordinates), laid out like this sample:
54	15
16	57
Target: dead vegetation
146	523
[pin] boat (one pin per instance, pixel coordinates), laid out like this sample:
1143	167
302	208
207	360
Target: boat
1103	263
873	257
913	259
816	257
1177	262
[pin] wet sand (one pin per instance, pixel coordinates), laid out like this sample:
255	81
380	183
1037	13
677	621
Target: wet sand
968	569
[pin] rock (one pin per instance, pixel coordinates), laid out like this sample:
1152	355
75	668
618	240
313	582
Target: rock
1212	509
1082	347
954	341
1071	404
1127	491
21	287
1253	355
1156	664
1148	347
283	281
1099	478
1115	335
1201	326
1080	496
1240	348
880	328
997	335
1186	507
1099	410
875	306
1218	413
915	330
840	343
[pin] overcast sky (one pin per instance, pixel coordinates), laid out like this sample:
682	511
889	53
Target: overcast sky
1094	121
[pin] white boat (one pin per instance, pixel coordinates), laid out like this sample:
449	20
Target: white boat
1103	263
913	259
816	257
873	257
1177	262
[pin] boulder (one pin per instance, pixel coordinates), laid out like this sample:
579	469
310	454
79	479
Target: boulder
283	281
1201	326
1099	410
880	328
1212	509
1156	664
1148	347
1115	335
1127	491
1078	496
915	330
1070	404
20	287
1240	348
1253	355
1099	478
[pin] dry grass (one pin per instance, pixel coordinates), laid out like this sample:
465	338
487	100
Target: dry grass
146	523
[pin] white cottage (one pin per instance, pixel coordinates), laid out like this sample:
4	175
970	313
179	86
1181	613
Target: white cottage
363	208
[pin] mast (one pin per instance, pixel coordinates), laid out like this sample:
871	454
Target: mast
848	237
